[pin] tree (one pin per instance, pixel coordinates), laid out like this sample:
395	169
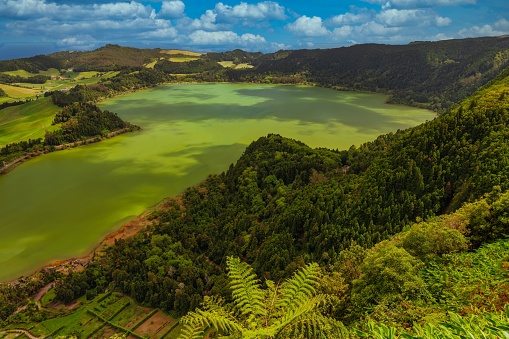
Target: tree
289	310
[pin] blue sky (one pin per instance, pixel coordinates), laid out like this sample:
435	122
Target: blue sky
30	27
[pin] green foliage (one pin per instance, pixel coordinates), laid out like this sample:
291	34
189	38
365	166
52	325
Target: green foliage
486	326
194	66
426	240
288	310
82	120
387	272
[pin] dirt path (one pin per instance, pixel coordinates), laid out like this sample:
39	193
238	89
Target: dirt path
43	290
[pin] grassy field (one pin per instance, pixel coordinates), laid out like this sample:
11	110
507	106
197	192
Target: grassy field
27	121
106	315
16	92
181	52
19	72
232	65
182	59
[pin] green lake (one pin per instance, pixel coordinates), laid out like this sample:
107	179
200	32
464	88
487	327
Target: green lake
62	204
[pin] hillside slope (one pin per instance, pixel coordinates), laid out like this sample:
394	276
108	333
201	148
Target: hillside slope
283	204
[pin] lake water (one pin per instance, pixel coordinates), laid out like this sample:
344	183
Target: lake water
62	204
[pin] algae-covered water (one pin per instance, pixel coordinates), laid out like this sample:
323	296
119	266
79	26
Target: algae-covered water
60	205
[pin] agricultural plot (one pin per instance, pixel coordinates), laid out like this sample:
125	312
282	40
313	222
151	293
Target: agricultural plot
108	314
180	52
230	64
182	59
17	92
27	121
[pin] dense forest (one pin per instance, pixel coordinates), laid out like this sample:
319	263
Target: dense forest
404	236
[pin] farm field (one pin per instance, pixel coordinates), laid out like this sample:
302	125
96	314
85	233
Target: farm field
106	315
27	121
232	65
16	92
62	81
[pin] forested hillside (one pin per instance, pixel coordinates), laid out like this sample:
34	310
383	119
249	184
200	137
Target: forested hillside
409	230
430	74
284	204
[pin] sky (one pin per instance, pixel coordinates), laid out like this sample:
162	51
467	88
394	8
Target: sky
31	27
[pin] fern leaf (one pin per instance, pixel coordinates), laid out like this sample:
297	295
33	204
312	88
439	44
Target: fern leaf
300	287
246	291
191	332
213	314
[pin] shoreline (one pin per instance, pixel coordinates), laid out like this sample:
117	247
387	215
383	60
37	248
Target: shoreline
128	228
48	149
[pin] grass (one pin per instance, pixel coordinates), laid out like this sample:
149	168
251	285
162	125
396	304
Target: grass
16	92
232	65
86	75
86	319
178	51
20	72
48	297
182	59
226	64
27	121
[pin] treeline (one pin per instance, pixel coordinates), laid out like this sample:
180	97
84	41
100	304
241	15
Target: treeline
82	120
238	56
122	82
10	79
284	204
16	150
79	121
194	66
31	65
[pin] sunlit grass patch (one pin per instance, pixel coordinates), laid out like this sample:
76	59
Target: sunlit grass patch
27	121
18	92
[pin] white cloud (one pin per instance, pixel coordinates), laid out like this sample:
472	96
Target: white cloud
350	18
172	9
201	37
206	21
169	32
442	21
306	26
78	43
120	10
376	29
485	30
342	33
411	17
23	9
420	3
502	25
266	10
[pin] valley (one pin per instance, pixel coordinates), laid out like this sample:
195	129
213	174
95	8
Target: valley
394	217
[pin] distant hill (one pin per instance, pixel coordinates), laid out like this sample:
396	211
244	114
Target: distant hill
426	74
107	58
435	74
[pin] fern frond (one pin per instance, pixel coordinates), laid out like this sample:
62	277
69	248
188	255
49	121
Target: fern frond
213	314
313	324
190	331
246	291
300	287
